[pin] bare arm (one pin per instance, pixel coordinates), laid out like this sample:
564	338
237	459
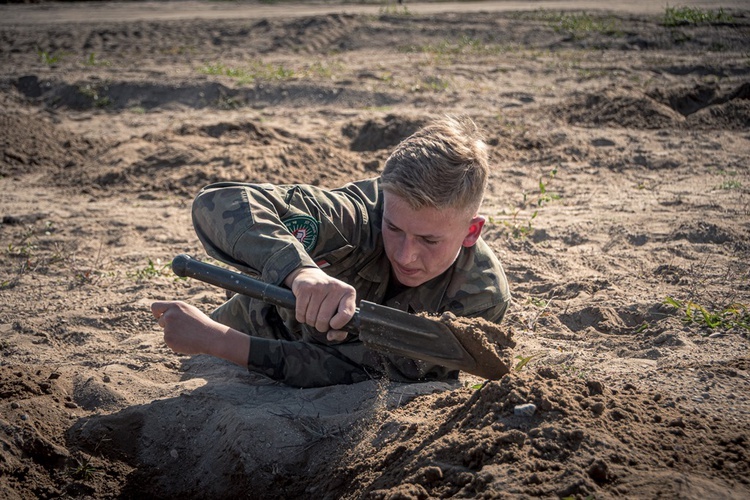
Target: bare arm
188	330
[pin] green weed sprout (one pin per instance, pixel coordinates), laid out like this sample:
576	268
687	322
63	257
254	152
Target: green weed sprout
523	361
84	470
152	270
93	92
394	10
580	25
519	227
735	315
49	58
682	16
258	70
730	184
92	60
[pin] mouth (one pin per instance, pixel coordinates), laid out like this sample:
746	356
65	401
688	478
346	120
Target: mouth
406	271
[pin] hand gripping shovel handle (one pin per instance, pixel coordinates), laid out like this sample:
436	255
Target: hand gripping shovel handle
378	327
185	266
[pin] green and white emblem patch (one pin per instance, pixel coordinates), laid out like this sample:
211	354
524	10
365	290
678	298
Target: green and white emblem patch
305	229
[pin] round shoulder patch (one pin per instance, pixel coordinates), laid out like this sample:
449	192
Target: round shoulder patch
305	229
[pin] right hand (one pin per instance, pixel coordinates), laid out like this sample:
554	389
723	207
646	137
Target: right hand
323	302
187	330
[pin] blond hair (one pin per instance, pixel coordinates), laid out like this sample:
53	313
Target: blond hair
443	165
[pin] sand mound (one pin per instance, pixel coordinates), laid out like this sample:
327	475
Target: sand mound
32	144
576	440
697	107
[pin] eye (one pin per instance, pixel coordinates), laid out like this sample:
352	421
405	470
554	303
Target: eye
430	241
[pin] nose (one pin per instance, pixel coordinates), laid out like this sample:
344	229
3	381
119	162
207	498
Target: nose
407	252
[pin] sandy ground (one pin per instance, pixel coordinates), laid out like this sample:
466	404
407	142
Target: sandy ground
619	204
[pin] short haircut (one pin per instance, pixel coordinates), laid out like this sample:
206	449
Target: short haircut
443	165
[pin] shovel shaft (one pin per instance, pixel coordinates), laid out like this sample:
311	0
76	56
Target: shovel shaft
187	267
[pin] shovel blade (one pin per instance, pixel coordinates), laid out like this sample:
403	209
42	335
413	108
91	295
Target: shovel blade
389	330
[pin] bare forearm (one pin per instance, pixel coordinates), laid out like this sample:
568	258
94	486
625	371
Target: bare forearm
231	345
188	330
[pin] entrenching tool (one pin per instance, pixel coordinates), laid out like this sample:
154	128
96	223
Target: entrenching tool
379	327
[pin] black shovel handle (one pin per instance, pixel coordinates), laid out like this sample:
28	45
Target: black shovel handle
187	267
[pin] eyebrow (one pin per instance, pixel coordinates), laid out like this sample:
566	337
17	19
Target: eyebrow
424	236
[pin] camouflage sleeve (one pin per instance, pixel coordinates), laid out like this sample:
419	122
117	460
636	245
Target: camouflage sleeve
496	313
270	230
479	287
306	364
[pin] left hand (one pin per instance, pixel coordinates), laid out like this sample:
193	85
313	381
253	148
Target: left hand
323	302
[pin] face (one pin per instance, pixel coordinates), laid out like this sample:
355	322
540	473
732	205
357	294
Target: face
421	244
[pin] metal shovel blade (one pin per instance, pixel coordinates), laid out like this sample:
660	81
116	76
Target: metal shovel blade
389	330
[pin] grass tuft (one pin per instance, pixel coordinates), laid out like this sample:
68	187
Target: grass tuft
735	315
151	270
257	70
581	25
49	58
682	16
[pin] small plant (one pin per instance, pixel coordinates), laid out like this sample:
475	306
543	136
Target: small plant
519	226
430	84
643	327
464	45
394	10
152	270
155	269
27	245
49	58
93	92
580	25
88	274
25	250
12	282
735	315
523	361
258	70
92	60
731	184
83	469
681	16
320	69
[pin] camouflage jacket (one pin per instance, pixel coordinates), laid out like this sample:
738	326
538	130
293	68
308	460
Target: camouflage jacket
270	230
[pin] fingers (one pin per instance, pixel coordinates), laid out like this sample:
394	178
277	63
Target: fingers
318	310
336	336
158	308
326	313
161	310
344	311
323	302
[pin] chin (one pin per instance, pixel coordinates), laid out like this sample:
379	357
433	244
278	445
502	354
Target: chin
411	281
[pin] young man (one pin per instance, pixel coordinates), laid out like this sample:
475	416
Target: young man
409	239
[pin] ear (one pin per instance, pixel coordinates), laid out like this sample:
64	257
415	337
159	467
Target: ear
475	230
